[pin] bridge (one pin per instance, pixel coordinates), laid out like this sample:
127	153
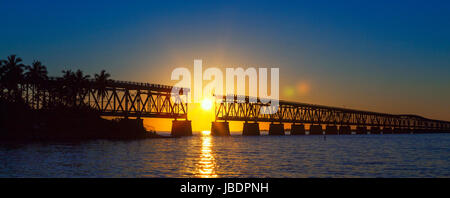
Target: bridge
335	120
112	98
144	100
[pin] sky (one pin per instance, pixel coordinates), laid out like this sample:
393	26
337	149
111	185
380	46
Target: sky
382	56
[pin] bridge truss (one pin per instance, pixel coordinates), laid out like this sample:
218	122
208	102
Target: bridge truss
241	109
114	98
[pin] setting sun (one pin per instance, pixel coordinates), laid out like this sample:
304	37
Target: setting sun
207	104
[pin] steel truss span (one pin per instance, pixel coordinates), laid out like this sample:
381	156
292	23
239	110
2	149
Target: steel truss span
246	109
115	98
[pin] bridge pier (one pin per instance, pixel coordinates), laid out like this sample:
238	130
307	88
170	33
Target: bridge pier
361	130
387	130
345	130
251	129
400	131
396	130
407	130
220	128
181	128
276	129
298	129
427	130
331	130
375	130
419	130
315	130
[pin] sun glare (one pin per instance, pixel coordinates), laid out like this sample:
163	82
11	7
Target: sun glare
206	104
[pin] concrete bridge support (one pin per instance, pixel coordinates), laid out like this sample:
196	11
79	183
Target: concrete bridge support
361	130
220	129
181	128
387	130
251	129
298	129
315	130
345	130
419	130
375	130
276	129
401	131
435	130
331	130
397	131
407	130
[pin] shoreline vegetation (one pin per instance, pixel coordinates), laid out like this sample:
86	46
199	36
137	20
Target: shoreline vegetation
64	118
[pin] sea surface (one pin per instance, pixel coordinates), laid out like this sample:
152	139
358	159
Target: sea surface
418	155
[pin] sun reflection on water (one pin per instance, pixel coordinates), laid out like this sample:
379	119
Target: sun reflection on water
206	164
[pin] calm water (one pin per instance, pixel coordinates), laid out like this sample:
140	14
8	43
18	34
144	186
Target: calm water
236	156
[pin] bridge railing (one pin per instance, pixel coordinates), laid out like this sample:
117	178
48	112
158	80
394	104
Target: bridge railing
121	83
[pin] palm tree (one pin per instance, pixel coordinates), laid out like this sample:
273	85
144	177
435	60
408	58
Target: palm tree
13	75
67	91
36	76
37	72
101	81
81	84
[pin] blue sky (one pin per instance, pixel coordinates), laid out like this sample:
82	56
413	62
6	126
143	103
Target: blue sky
381	55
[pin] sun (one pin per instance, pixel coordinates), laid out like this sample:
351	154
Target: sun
207	104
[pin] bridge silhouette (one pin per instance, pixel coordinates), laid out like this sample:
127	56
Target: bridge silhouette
144	100
122	99
335	120
116	98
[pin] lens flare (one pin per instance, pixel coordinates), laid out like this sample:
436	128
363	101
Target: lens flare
206	104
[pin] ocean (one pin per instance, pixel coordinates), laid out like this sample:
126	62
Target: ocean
202	155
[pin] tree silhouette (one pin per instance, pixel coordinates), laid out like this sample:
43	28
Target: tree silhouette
101	81
37	72
81	83
12	76
37	77
67	90
31	85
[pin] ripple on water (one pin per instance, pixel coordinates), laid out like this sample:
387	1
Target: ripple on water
424	155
